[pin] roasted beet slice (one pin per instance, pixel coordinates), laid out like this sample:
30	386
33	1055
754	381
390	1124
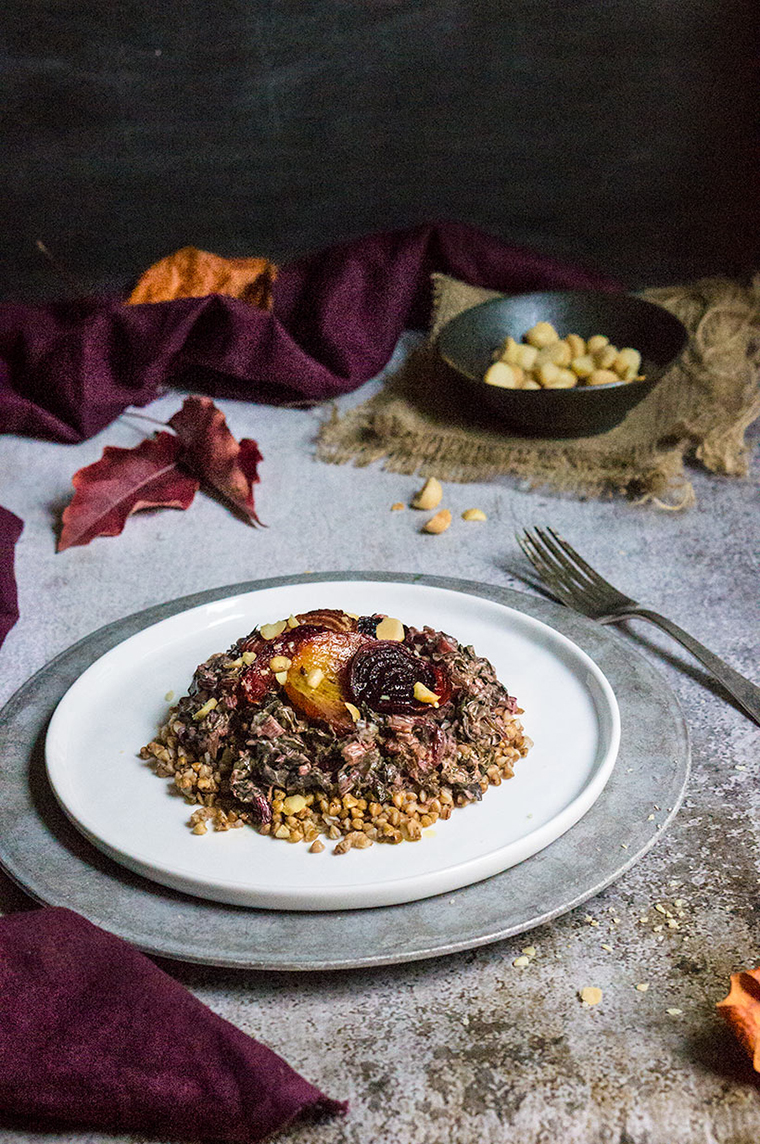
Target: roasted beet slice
317	679
383	674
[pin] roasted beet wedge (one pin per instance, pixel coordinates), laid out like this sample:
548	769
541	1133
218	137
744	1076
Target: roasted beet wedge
317	679
383	674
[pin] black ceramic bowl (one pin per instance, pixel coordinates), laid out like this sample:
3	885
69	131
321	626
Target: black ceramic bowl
468	341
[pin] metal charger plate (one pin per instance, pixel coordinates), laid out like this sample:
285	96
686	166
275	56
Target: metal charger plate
51	861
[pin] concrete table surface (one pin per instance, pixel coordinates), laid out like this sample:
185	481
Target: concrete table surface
470	1048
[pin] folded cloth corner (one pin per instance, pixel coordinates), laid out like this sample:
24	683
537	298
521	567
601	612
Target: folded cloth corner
93	1034
10	530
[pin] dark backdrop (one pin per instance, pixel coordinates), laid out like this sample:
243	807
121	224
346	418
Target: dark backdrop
619	132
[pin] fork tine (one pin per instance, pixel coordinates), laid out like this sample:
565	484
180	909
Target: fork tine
548	569
559	550
561	566
568	549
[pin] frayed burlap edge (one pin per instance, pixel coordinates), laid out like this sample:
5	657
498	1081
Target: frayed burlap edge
701	409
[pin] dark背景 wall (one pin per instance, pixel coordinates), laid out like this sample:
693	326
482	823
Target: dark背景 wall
619	134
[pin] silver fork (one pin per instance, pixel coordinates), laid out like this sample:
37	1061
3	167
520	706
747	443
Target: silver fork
575	583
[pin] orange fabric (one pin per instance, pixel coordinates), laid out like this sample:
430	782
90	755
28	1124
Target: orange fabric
193	273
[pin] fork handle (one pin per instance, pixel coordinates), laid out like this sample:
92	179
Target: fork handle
746	694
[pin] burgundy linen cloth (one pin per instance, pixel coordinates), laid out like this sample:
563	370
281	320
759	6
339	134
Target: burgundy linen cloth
93	1034
10	530
67	370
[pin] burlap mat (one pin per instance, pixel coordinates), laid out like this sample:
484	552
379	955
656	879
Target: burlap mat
701	409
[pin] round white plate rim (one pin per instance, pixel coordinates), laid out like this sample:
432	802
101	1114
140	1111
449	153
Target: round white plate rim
190	881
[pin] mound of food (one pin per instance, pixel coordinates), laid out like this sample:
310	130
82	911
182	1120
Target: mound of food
358	728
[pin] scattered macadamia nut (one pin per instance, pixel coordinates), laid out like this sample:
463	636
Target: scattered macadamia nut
474	514
544	360
429	495
438	523
591	995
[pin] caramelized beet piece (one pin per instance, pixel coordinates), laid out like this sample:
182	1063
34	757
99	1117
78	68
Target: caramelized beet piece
383	674
324	657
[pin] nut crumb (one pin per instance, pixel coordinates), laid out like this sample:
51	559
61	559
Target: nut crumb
591	995
316	847
398	506
674	1012
474	514
642	987
529	951
521	962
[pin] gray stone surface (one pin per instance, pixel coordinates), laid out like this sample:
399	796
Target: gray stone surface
468	1048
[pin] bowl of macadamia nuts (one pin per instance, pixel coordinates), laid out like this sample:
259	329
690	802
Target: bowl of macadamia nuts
565	364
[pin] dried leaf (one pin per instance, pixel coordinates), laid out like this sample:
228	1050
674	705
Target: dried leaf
741	1011
193	273
124	481
213	455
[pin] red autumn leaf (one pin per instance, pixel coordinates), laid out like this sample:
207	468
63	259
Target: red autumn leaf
213	454
124	481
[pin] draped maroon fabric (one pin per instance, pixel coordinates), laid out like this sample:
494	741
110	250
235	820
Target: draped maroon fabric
94	1035
68	369
10	530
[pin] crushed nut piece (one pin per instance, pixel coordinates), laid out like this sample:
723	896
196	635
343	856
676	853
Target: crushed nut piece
354	712
316	847
529	951
205	710
390	629
521	962
293	804
474	514
642	987
272	631
423	694
399	506
591	995
674	1012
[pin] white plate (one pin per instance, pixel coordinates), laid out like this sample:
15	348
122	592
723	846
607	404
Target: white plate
119	804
